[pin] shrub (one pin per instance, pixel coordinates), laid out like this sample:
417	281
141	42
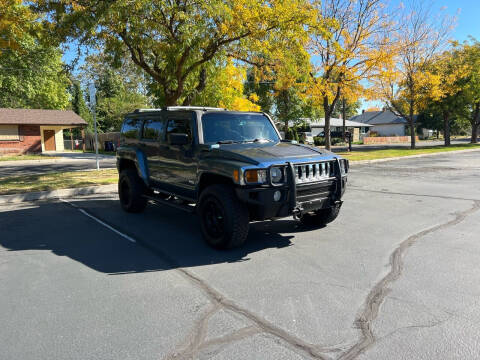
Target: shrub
319	141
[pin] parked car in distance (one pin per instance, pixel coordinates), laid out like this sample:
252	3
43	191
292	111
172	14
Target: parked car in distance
228	167
307	138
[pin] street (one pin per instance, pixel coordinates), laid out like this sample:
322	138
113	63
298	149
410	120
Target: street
396	276
68	161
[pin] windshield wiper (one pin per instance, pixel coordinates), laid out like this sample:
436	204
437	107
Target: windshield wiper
260	140
228	142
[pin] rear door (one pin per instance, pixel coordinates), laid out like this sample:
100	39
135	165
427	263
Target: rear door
178	164
152	138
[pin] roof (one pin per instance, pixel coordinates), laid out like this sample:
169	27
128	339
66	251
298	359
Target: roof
337	122
379	118
40	117
316	123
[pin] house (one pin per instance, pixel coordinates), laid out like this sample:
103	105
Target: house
336	125
383	122
35	130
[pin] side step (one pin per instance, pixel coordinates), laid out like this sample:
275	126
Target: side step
158	199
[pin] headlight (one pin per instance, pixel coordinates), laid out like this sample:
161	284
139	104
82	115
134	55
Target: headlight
276	174
255	176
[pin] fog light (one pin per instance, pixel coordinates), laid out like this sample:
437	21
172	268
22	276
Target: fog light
277	195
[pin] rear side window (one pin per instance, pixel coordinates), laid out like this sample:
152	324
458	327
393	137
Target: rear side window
131	128
153	129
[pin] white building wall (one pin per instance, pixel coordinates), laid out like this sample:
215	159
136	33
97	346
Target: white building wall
389	129
58	137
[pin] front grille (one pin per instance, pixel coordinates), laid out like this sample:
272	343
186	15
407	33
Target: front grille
314	172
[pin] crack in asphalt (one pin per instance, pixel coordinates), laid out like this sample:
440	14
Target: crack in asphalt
218	300
377	294
359	188
196	342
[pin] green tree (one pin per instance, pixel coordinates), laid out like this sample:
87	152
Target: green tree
120	89
175	41
78	103
32	75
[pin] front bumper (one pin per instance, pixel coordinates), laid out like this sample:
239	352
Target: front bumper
295	199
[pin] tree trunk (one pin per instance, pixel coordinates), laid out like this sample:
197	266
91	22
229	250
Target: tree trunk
343	118
474	133
412	127
475	121
326	129
446	128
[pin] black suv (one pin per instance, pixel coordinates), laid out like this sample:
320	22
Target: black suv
229	167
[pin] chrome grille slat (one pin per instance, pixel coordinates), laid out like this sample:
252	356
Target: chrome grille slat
313	172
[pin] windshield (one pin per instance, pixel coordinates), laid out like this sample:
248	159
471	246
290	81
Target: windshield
226	128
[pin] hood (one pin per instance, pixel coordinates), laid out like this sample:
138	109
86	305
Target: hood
268	153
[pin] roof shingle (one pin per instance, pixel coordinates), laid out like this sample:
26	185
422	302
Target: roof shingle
40	117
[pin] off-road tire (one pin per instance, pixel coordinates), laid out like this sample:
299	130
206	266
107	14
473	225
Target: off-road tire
321	217
234	213
131	189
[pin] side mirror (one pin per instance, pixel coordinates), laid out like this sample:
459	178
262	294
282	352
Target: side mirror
178	139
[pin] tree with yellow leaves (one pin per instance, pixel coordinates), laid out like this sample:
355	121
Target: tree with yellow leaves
442	85
225	88
177	42
16	21
402	81
353	44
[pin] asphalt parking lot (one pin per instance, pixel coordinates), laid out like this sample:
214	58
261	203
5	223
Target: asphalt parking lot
396	276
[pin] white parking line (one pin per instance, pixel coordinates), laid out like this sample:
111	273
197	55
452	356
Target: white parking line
125	236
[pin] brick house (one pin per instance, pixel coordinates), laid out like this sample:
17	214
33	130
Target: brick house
35	130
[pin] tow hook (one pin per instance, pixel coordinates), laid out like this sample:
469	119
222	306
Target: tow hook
297	213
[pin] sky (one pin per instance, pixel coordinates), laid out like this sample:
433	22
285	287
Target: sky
467	14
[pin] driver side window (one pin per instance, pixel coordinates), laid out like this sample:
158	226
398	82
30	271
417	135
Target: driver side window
179	126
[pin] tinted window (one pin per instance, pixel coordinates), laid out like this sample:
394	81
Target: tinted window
131	128
237	128
153	128
179	126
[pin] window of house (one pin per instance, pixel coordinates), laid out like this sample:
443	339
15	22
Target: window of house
9	133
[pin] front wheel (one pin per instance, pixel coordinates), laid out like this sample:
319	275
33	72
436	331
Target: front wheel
321	217
224	219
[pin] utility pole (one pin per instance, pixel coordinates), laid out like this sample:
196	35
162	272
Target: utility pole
93	102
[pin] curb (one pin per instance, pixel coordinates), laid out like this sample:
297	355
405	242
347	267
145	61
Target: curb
358	162
55	194
48	161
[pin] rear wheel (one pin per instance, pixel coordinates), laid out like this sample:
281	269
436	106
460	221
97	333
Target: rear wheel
321	217
131	189
224	219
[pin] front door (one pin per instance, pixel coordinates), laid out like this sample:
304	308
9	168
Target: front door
49	140
153	131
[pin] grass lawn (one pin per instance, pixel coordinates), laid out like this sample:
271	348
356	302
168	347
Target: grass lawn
58	180
26	157
357	155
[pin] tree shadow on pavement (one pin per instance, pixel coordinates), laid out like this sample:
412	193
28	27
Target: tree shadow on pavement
167	238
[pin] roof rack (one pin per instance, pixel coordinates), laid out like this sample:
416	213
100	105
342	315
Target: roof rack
204	108
173	108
